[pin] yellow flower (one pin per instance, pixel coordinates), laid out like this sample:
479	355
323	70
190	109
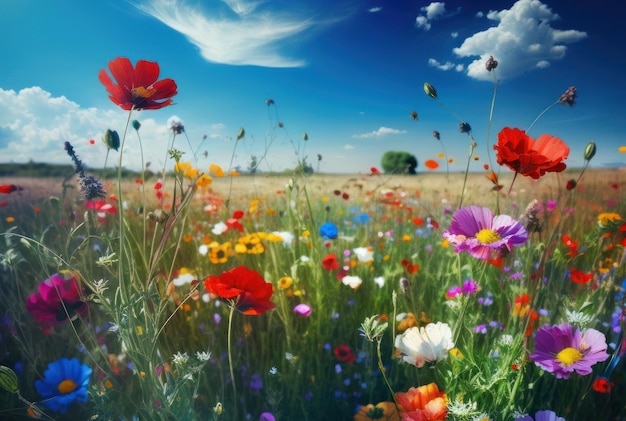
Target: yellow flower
181	166
285	282
218	253
204	180
250	244
216	170
605	218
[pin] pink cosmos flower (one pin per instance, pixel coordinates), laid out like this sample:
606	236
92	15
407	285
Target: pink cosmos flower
58	300
562	350
477	231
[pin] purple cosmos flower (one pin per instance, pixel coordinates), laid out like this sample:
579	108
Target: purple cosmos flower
561	350
477	231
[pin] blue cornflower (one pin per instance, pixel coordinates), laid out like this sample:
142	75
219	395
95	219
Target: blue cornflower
64	382
329	231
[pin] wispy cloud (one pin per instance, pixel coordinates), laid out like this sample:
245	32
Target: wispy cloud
375	9
448	65
240	35
381	132
523	40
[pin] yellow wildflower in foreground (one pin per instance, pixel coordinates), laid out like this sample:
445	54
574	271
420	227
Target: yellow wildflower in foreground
605	218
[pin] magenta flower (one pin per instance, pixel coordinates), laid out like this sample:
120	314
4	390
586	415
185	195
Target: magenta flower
477	231
302	309
58	299
561	350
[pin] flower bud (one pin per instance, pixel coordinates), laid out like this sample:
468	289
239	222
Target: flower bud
590	151
8	379
491	64
430	90
571	185
241	134
136	125
305	136
464	127
111	139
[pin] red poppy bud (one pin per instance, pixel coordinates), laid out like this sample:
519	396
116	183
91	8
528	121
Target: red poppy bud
571	185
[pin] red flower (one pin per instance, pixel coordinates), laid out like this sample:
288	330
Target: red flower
10	188
573	245
137	88
330	262
602	385
579	277
57	300
244	287
344	354
522	154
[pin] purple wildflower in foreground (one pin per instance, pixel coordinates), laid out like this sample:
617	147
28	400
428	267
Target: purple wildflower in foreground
562	350
477	231
541	416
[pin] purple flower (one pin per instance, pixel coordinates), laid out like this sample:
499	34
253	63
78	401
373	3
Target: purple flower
477	231
561	350
542	416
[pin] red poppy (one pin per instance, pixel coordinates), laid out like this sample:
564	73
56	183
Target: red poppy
602	385
330	262
573	245
374	171
522	154
579	277
344	354
10	188
245	287
137	88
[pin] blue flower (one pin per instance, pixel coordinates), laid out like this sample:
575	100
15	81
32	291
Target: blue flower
64	382
328	231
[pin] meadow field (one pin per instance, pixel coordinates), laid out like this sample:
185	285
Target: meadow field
274	297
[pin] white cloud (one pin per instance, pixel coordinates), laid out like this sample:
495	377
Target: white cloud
422	22
454	34
381	132
480	14
34	125
375	9
523	40
433	11
348	147
250	38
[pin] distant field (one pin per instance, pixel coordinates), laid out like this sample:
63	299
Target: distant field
429	187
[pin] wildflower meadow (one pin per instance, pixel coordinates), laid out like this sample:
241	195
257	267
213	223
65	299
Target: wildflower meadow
205	294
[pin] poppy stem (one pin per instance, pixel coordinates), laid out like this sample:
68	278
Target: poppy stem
512	182
230	360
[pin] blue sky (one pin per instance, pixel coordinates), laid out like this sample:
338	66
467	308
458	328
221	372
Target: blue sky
348	73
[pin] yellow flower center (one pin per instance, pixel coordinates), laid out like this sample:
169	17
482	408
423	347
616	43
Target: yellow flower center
142	92
569	356
66	386
487	236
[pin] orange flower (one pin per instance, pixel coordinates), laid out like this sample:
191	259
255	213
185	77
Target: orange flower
137	88
384	411
522	154
431	164
426	403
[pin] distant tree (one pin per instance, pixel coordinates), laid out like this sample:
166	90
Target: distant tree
398	162
304	168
